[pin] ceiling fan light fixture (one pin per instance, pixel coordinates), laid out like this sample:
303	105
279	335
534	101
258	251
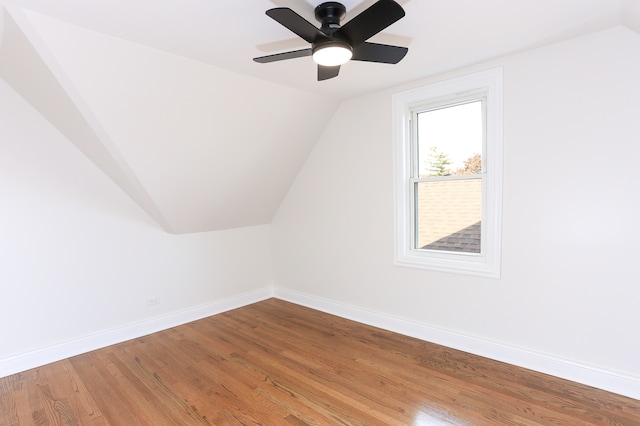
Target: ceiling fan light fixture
332	54
332	44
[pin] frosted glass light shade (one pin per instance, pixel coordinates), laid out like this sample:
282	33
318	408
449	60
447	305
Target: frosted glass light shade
332	54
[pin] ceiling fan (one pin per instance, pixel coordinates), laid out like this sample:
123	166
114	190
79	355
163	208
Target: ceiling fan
333	45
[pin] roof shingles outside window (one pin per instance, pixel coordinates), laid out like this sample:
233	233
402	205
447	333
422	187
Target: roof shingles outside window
449	215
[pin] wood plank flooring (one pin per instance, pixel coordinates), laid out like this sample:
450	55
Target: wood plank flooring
276	363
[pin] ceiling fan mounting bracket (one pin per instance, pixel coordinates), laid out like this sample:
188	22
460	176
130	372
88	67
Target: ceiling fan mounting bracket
329	14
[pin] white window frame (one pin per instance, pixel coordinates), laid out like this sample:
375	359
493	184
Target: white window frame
487	85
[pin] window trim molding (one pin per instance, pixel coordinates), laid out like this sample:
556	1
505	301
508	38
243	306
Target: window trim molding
489	263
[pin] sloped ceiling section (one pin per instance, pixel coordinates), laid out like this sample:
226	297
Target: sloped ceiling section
23	67
211	149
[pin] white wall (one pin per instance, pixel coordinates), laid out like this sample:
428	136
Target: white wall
570	280
78	256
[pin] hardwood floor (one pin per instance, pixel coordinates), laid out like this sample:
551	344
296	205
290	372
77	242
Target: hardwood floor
276	363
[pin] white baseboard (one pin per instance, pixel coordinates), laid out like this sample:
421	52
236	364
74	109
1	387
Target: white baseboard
39	357
543	363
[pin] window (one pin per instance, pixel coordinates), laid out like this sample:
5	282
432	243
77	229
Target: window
448	173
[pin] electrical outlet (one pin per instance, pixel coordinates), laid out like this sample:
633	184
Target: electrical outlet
153	300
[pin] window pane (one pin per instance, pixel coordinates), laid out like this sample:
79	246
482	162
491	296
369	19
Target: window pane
450	140
449	215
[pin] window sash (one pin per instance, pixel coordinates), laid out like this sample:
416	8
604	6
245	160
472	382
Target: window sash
415	179
414	211
446	102
487	86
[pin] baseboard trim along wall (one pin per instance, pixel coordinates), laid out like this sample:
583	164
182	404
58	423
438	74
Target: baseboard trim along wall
543	363
39	357
566	369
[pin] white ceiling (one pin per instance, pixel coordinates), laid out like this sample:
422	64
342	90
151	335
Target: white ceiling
201	136
441	35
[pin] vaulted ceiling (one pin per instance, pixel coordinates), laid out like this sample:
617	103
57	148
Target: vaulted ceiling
164	98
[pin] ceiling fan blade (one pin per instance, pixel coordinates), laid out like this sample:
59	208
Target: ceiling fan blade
325	73
371	21
296	23
373	52
282	56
